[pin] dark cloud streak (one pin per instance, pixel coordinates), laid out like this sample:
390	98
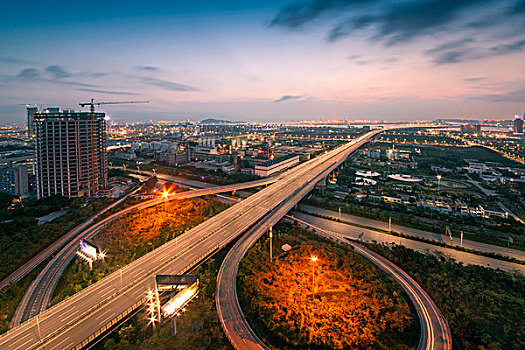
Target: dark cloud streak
108	92
57	72
287	98
392	22
167	85
150	69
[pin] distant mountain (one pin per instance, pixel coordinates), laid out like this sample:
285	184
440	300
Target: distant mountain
217	121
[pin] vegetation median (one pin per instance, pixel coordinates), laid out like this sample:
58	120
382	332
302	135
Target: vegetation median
355	304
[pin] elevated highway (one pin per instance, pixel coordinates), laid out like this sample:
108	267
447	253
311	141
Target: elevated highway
39	294
83	314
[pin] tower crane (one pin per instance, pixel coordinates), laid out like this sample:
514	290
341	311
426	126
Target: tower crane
92	105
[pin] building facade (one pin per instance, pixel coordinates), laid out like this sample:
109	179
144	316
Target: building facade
276	165
31	111
471	129
518	125
13	180
70	154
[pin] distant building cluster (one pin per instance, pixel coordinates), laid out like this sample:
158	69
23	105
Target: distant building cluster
471	129
439	204
251	155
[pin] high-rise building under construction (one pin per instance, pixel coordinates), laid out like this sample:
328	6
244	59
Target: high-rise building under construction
70	153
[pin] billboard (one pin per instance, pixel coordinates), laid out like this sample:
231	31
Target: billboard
175	304
89	249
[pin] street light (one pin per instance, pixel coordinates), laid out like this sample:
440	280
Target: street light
439	181
314	259
165	195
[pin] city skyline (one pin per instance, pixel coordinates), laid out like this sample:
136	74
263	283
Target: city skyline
267	61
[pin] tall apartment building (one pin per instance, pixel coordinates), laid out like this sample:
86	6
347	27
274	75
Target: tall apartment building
518	124
31	111
70	153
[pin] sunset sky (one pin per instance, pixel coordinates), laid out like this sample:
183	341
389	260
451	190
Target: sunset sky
266	60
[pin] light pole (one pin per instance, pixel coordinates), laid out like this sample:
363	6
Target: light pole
439	181
314	259
165	195
38	327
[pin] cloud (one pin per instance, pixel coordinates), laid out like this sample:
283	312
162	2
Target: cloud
513	47
35	75
516	96
13	60
475	79
57	72
359	60
400	22
28	74
150	69
298	14
466	49
394	22
454	56
461	43
287	97
92	74
108	92
168	85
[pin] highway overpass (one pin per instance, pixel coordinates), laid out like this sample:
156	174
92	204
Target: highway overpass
83	314
39	294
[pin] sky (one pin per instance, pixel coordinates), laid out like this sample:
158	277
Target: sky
266	61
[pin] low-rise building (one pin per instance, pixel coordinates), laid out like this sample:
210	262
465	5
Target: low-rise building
494	211
274	166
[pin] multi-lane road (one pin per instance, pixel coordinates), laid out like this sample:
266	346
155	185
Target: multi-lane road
410	231
69	322
371	235
39	293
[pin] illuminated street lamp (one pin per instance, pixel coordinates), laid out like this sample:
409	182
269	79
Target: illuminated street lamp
165	195
314	259
439	181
